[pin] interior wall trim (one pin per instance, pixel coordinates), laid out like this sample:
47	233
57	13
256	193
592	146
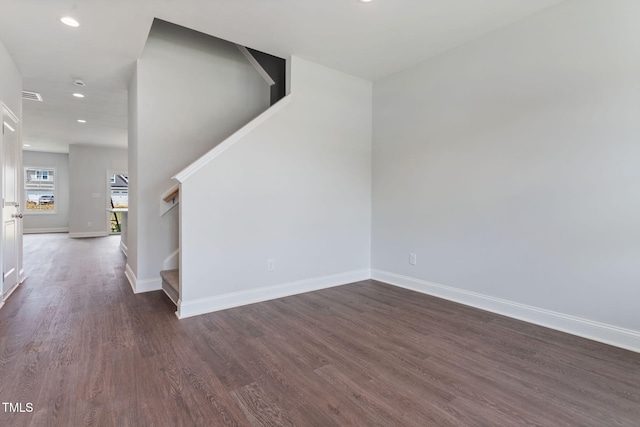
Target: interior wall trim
596	331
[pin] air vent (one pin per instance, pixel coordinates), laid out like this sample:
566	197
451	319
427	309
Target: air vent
33	96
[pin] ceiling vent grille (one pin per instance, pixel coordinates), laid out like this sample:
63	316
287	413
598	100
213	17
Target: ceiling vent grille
33	96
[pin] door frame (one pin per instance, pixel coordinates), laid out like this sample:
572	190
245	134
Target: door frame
108	198
19	189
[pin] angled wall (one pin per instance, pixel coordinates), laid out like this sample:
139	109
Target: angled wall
295	190
510	167
190	91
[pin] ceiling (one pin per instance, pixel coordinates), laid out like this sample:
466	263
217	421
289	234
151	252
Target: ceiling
369	40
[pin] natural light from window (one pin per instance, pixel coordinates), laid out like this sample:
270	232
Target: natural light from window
40	188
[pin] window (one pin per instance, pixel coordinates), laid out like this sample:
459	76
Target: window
119	191
40	188
119	187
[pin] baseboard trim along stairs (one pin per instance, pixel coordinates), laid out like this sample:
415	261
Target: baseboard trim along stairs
251	296
171	284
589	329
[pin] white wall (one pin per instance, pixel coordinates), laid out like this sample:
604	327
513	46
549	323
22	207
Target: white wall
297	189
510	165
50	223
192	92
134	198
10	83
88	166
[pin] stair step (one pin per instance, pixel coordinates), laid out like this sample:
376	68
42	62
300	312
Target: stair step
171	284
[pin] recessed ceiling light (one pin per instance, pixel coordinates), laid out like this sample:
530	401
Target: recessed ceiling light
82	121
365	1
27	145
78	95
67	20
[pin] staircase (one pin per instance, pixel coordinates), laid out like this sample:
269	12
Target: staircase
171	276
171	284
273	71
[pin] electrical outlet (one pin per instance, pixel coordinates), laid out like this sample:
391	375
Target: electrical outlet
271	265
412	258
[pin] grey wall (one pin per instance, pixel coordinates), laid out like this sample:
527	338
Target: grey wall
88	168
49	223
193	91
510	164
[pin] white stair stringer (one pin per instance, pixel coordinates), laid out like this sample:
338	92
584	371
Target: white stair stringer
183	175
174	261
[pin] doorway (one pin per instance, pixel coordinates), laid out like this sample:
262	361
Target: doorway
117	200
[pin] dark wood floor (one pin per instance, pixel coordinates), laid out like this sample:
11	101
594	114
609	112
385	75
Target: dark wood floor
77	344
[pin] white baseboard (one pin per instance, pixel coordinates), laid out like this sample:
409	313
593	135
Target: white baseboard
45	230
23	275
12	291
123	248
131	277
141	286
236	299
85	234
1	304
608	334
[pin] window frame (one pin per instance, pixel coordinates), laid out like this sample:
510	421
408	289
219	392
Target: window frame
110	210
25	189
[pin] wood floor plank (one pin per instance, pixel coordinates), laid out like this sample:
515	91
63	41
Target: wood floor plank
318	401
360	394
56	400
210	403
215	348
85	351
258	407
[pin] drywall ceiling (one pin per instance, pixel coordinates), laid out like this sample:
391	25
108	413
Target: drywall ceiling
370	40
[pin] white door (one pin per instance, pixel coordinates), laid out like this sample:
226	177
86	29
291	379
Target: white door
10	206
